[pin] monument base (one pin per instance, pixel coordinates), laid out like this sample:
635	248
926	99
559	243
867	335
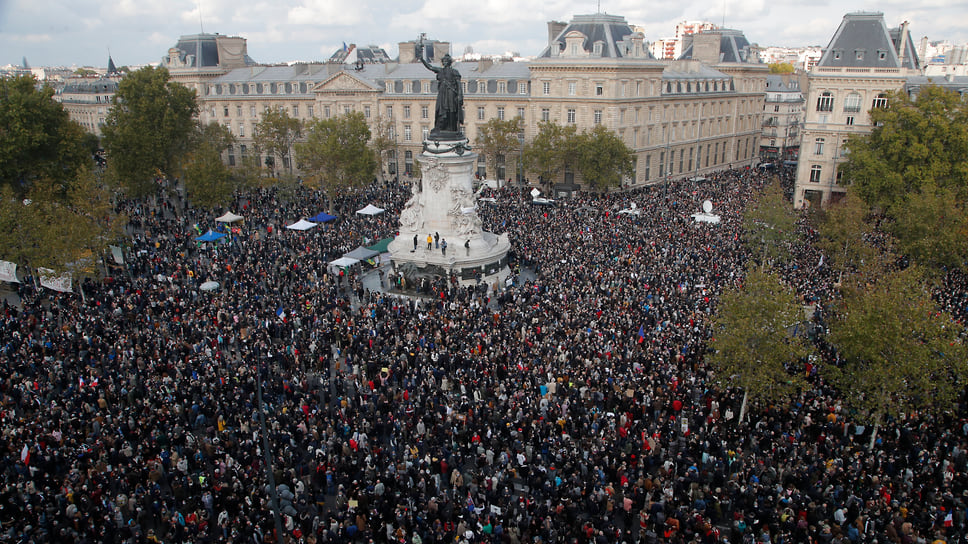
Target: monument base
444	207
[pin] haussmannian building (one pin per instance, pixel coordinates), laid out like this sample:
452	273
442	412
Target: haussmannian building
863	62
682	118
782	115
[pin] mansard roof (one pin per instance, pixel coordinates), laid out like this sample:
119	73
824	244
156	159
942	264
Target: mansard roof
864	41
733	46
611	30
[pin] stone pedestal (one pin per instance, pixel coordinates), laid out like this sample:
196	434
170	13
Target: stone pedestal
444	203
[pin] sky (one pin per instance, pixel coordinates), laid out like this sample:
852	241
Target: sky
136	32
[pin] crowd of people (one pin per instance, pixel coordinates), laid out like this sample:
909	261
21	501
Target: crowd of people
572	404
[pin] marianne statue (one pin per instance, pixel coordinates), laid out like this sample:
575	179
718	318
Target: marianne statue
449	112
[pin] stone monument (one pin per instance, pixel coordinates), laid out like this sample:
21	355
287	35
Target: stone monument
443	208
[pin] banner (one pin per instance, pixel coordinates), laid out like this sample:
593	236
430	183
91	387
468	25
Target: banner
50	280
116	253
8	272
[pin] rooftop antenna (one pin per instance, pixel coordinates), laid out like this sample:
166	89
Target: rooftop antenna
599	6
724	14
198	3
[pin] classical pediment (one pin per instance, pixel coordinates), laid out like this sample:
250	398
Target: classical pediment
344	82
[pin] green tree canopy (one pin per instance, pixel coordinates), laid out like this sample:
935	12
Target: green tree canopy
603	158
844	234
208	181
899	352
916	144
755	347
38	141
276	134
498	137
335	154
551	150
148	129
781	68
769	223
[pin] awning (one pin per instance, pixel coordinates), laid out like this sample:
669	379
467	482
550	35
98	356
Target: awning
382	246
302	224
322	217
361	253
344	261
370	209
229	217
210	236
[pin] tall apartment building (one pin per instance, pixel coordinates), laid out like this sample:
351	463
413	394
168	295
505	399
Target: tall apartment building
862	63
698	114
671	48
782	114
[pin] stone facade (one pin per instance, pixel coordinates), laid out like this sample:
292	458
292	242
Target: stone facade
681	118
782	114
863	62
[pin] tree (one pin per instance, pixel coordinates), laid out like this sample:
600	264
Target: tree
843	234
755	346
276	134
769	223
781	68
148	129
900	353
382	142
551	150
498	137
603	159
335	154
208	181
932	229
913	167
38	141
916	144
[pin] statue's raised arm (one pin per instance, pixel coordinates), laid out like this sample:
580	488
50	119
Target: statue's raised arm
449	111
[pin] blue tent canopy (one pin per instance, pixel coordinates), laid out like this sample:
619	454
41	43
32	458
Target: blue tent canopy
210	236
322	217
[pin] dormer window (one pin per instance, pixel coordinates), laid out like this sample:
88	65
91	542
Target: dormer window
882	55
598	49
836	55
859	54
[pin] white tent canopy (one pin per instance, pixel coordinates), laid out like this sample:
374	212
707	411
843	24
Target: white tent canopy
344	261
370	209
229	217
302	224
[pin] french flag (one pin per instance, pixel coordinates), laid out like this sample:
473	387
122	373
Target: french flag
25	455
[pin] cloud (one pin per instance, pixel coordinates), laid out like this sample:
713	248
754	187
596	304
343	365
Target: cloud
33	38
326	13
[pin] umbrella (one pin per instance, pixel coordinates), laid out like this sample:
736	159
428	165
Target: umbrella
209	286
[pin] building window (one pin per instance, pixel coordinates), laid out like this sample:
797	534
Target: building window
815	173
500	112
326	112
408	162
598	117
818	147
502	87
406	112
231	155
599	90
346	110
850	120
408	87
521	113
241	130
572	88
425	132
238	111
571	116
424	112
251	111
225	111
825	102
880	101
366	112
522	87
390	112
295	111
407	133
309	110
852	103
480	113
648	166
545	114
242	151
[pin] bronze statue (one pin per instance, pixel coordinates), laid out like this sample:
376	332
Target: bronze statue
449	111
